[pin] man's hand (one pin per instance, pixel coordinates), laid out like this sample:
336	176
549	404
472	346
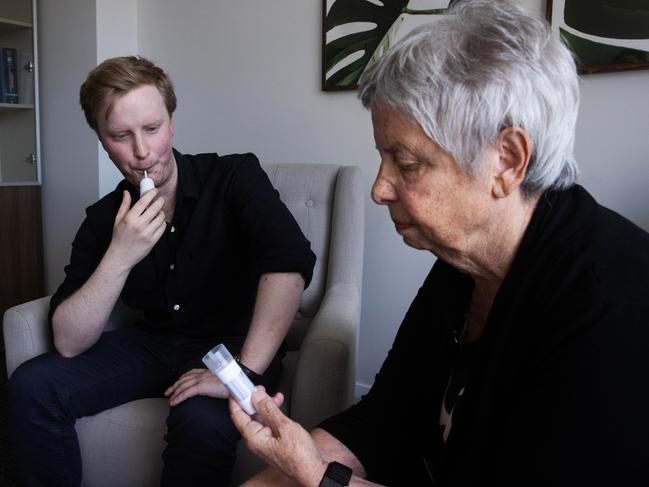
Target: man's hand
193	383
136	230
277	440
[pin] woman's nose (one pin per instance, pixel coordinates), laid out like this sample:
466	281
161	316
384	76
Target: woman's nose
382	190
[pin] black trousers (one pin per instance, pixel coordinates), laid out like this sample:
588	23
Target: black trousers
48	393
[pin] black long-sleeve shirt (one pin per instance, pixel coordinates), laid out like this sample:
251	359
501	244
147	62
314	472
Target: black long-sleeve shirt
555	391
201	277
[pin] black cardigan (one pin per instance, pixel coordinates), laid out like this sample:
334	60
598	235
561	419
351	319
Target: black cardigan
557	391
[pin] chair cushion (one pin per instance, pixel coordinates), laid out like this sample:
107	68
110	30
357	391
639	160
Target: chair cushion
123	445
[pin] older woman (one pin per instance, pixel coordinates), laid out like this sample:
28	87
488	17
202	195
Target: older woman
523	358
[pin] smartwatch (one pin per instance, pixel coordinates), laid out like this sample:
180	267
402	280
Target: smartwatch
336	475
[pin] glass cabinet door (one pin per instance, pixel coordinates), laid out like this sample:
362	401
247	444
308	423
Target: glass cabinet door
19	145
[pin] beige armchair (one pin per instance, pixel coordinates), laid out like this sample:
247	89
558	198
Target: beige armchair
122	446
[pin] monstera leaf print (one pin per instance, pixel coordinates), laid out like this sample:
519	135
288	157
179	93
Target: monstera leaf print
615	19
383	14
605	35
592	54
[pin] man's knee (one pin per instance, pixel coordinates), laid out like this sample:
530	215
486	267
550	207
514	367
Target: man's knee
31	384
201	443
203	420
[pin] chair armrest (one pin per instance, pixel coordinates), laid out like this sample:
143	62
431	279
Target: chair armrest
325	376
27	332
326	371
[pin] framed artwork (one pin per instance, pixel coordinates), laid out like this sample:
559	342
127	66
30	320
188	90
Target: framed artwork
355	33
605	35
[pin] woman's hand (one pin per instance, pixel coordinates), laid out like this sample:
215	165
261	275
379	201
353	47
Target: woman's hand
193	383
277	440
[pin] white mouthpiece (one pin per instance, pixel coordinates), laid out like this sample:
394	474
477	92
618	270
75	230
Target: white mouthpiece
146	184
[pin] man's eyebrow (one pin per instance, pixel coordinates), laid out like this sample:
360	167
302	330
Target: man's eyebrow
116	130
157	121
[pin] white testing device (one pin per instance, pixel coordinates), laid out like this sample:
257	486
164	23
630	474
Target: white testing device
222	364
146	184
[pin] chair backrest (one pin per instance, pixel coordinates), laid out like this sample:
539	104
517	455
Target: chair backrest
308	191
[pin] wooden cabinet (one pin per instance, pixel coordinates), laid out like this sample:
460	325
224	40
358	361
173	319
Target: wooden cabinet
21	247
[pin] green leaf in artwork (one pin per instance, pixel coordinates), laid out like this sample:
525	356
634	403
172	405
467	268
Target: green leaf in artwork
372	43
615	19
593	54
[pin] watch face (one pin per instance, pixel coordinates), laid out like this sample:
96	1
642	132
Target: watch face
336	475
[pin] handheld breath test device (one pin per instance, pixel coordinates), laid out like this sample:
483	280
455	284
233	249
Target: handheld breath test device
146	184
222	364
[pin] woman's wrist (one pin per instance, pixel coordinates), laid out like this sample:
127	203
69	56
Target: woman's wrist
313	476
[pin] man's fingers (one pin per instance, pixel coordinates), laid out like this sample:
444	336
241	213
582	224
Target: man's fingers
193	383
153	210
182	380
191	372
171	389
187	379
159	231
158	221
183	394
124	206
145	200
184	390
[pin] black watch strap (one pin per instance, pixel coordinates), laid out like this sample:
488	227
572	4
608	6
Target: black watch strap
252	375
336	475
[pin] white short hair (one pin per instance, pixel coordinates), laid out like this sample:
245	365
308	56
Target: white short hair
485	66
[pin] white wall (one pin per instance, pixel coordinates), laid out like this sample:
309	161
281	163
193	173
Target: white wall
67	51
74	35
613	142
116	22
247	75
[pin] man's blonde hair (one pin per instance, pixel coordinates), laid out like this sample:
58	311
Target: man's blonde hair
117	76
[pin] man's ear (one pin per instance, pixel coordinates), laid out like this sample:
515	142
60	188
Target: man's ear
514	148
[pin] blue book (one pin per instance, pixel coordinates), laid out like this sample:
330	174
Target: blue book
2	76
10	75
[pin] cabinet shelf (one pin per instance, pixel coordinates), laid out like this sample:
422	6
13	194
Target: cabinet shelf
9	25
15	106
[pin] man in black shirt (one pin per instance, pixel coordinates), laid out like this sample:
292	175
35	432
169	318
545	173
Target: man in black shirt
209	255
